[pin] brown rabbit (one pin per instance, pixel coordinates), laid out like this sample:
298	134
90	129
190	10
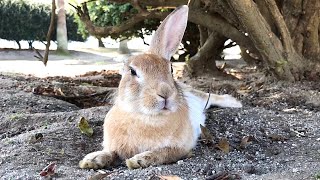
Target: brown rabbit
155	120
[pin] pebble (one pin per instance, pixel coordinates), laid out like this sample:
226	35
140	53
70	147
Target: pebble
294	170
180	162
236	119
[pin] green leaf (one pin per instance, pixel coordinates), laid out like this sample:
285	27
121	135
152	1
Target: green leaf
85	127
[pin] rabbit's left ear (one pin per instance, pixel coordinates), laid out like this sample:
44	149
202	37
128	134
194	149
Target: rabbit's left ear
168	36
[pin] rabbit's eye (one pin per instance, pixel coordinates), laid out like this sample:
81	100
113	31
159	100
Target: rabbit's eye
133	72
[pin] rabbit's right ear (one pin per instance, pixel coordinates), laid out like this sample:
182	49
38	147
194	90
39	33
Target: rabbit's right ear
168	36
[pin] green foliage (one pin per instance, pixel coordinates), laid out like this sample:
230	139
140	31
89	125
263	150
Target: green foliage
22	20
104	13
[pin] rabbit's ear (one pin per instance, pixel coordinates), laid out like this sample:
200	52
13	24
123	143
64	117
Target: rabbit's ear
168	36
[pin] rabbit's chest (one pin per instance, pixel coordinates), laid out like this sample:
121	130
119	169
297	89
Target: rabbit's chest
128	135
128	139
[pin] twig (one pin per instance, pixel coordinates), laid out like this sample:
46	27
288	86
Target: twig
38	56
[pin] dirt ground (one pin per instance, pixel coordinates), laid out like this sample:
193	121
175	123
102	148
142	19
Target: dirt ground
276	135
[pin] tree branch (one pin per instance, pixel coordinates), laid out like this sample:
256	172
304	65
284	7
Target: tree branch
216	23
108	30
136	5
281	25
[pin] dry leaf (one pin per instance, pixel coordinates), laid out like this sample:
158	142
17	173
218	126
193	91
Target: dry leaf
205	135
36	138
276	137
59	92
85	127
223	145
245	141
49	170
172	177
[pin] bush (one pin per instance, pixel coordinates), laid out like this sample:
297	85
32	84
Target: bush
21	20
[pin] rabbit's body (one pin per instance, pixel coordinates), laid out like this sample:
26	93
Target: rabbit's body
138	133
154	120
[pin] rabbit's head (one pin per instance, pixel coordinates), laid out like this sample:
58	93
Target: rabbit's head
147	85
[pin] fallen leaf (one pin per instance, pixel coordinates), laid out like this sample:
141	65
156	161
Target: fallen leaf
62	151
48	170
58	91
245	141
85	127
223	145
173	177
99	175
36	138
205	135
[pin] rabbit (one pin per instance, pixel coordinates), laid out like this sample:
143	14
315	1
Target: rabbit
155	119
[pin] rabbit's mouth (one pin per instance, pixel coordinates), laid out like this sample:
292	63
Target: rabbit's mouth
167	105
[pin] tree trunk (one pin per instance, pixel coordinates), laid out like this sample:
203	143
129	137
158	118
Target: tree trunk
303	18
203	63
19	45
62	37
100	43
30	44
281	59
123	47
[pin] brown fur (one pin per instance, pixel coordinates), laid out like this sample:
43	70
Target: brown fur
135	136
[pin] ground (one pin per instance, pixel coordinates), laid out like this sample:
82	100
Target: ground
276	135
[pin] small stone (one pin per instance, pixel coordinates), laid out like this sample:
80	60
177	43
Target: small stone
236	119
180	162
294	170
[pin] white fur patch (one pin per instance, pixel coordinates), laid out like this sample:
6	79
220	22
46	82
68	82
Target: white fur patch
196	113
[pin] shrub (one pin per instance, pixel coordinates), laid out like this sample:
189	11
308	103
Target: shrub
22	20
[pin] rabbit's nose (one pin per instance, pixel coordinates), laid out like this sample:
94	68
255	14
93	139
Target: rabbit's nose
164	91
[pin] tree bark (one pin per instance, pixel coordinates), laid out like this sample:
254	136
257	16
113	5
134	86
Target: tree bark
284	66
123	47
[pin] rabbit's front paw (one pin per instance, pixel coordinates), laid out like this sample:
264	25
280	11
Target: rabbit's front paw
96	160
141	160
